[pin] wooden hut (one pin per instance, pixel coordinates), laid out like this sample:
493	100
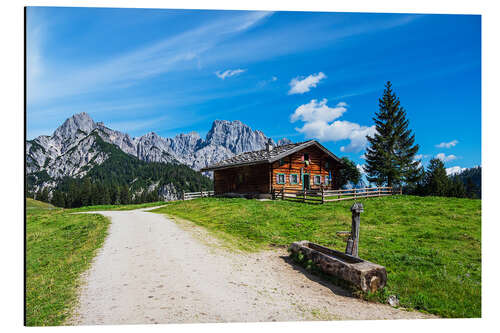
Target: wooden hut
296	166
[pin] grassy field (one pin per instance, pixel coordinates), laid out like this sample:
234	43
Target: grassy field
431	246
59	247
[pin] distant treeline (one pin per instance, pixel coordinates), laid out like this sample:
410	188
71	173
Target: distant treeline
435	182
121	179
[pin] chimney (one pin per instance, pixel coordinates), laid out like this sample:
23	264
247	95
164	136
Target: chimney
269	145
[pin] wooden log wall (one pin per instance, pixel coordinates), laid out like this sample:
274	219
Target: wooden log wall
293	164
245	179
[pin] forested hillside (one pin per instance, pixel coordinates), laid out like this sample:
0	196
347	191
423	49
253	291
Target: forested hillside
471	178
122	178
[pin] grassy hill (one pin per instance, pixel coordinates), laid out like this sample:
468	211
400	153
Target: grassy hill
35	204
59	247
431	246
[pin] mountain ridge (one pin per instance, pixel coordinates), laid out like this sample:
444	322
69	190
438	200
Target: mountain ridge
225	139
75	148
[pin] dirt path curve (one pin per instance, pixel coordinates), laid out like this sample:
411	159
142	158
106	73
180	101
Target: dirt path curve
151	270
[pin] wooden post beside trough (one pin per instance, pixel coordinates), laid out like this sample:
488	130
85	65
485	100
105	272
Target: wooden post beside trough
353	241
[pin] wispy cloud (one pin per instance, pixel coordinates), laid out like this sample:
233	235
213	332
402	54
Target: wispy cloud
229	73
300	84
170	54
450	144
319	123
446	158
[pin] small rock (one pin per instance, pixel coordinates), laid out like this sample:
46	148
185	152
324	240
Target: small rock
393	301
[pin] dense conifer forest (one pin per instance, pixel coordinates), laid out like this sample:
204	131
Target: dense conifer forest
121	179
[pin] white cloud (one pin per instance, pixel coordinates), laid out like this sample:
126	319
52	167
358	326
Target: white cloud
420	156
450	144
314	111
446	158
319	123
300	85
454	170
229	73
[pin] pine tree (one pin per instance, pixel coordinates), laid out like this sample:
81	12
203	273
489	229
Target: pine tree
349	173
106	199
457	189
436	181
471	189
390	158
58	199
86	193
124	195
43	195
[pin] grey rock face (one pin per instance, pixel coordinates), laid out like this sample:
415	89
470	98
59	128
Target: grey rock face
71	150
283	142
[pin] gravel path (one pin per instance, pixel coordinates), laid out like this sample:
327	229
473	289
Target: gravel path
154	270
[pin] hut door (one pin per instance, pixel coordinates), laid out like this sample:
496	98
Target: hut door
305	182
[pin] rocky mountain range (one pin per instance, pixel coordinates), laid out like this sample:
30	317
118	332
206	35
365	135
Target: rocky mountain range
72	149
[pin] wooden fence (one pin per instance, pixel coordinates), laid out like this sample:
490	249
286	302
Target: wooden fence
194	195
322	196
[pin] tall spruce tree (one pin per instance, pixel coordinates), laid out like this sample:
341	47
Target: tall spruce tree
390	157
436	181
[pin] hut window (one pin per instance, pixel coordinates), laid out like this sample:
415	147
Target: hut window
305	157
282	162
294	178
317	180
326	164
281	178
327	180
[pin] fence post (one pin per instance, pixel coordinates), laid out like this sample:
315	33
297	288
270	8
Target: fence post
353	241
322	195
304	200
183	196
379	191
401	190
283	193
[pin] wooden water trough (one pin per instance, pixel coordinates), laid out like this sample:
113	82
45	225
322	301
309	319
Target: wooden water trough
364	274
347	266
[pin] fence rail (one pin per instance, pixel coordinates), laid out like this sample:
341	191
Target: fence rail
195	195
322	196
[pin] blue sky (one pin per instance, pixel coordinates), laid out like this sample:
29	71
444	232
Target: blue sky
289	74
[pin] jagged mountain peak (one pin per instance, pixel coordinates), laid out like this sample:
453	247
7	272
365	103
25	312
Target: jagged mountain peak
283	142
77	122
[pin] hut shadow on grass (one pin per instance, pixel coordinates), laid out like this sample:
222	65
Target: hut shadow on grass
337	290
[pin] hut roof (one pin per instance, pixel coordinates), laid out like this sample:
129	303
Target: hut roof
266	156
